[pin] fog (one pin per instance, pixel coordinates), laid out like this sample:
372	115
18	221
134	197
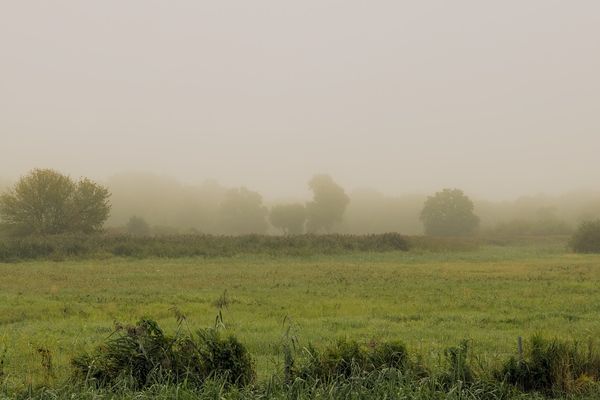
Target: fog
170	206
500	99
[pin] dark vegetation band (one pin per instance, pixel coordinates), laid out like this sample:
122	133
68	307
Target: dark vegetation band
59	247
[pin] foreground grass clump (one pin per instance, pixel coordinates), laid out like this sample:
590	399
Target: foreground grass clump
553	366
60	247
347	358
142	355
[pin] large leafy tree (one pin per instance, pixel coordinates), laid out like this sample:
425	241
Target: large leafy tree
47	202
290	218
449	213
242	212
328	205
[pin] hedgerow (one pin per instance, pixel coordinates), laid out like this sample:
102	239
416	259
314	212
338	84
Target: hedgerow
61	247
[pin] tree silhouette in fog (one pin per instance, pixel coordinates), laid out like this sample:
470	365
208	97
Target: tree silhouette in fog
137	226
328	205
290	218
242	212
449	213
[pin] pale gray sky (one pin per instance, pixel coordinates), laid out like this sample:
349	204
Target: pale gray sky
498	98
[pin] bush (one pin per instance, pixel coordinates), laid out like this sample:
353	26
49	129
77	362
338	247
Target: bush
225	358
345	359
142	355
587	238
553	366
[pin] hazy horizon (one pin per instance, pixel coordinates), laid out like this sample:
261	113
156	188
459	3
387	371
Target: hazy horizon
498	99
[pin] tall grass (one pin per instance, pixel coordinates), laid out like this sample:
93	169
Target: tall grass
553	366
143	355
142	362
389	385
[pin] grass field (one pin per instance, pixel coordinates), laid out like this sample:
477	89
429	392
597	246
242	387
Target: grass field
428	300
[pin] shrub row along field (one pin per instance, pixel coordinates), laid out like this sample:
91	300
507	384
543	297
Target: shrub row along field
77	246
62	247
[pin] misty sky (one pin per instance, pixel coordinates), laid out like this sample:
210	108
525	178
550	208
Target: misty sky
498	98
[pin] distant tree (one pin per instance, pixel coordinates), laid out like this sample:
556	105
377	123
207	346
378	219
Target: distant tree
586	238
290	218
47	202
328	205
242	212
449	213
137	226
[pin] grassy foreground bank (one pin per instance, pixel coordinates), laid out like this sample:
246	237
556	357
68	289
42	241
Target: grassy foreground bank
427	300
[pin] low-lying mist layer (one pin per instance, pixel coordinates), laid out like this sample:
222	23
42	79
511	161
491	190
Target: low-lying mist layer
169	206
149	205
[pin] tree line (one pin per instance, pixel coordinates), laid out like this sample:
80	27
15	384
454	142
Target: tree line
48	202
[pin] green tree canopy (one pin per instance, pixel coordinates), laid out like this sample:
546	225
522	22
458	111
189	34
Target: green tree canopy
242	212
290	218
449	213
328	205
47	202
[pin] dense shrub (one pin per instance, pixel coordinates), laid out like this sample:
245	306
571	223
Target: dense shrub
142	355
587	238
345	359
225	358
553	366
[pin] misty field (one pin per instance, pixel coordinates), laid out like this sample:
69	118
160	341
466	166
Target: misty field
428	300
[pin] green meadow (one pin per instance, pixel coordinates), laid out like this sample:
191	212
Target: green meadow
428	300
